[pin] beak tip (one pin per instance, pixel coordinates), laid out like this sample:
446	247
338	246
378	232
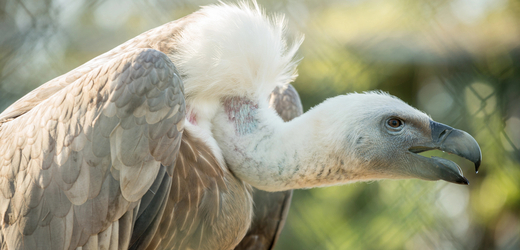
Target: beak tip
477	166
463	180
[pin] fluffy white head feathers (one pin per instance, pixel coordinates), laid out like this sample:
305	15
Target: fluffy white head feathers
232	50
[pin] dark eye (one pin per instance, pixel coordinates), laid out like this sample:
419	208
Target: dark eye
394	123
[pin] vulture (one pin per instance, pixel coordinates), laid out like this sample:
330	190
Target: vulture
165	142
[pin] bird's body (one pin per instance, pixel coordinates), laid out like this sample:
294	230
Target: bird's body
159	142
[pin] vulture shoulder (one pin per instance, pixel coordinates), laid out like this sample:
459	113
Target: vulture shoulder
77	166
160	38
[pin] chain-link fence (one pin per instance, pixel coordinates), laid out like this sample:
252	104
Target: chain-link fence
457	60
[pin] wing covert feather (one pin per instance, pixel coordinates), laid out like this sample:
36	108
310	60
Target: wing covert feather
76	165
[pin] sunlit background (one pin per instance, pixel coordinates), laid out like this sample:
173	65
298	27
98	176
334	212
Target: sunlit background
457	60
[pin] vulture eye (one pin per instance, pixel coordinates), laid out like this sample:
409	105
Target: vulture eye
395	124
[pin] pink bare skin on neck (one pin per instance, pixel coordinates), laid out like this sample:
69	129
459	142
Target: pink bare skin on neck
241	111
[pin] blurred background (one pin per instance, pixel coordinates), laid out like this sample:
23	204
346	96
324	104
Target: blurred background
457	60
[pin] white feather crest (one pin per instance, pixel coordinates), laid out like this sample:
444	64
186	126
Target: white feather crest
234	50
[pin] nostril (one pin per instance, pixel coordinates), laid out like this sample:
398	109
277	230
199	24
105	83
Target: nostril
443	133
439	132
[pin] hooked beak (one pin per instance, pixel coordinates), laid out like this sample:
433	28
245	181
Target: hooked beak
449	140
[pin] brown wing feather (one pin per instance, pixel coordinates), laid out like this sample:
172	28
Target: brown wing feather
271	209
75	166
205	204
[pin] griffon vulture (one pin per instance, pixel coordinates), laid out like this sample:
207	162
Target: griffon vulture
157	143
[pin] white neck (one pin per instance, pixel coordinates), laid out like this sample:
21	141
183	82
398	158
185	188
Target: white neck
272	155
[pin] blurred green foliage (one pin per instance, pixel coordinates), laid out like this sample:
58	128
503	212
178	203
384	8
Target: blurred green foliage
458	60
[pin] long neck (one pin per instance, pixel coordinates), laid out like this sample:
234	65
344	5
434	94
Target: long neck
272	155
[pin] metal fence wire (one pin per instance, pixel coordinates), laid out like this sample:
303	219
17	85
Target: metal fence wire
457	60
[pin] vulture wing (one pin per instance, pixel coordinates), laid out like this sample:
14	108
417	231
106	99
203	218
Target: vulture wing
271	209
160	38
79	160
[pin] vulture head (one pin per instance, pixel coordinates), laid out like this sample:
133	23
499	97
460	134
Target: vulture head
382	136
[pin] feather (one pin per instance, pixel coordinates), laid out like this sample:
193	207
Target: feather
114	240
125	230
56	232
105	237
132	146
93	208
151	211
79	142
71	168
69	224
98	177
29	221
135	181
78	193
92	243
